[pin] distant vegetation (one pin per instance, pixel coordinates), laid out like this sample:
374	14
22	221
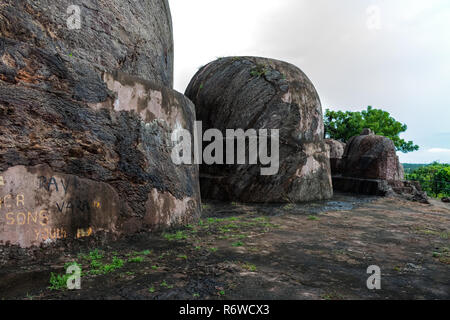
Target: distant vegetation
410	167
342	126
434	178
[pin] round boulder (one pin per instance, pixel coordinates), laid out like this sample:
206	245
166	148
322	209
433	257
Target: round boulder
252	93
134	37
370	156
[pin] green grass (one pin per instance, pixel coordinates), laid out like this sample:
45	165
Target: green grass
136	260
313	218
237	244
250	267
259	71
151	290
164	284
97	267
179	235
142	253
59	281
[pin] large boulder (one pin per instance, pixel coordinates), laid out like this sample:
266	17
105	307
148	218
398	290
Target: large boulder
86	149
369	156
259	93
336	149
84	168
371	166
134	37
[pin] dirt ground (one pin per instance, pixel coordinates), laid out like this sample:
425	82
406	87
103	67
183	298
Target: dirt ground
319	250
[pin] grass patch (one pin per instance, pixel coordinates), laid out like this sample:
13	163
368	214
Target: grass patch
179	235
164	284
443	255
250	267
97	267
136	260
259	70
59	281
237	244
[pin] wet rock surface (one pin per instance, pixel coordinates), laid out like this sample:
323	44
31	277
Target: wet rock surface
259	93
134	37
238	251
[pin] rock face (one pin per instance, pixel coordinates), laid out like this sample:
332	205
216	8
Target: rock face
84	150
337	149
371	166
134	37
369	156
259	93
93	167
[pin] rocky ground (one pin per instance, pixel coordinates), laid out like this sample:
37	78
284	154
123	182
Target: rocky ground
316	251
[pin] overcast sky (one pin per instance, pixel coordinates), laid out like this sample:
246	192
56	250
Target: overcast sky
391	54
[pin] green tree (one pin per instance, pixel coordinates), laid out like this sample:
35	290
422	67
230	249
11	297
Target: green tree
434	178
342	126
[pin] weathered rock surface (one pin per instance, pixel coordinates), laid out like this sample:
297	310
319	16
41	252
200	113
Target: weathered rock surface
371	166
369	156
337	149
134	37
91	151
259	93
38	205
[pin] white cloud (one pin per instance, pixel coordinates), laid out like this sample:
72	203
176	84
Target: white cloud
426	156
439	150
403	68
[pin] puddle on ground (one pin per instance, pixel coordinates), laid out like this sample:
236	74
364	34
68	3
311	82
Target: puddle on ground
340	202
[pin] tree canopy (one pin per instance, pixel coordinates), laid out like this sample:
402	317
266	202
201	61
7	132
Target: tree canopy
434	178
340	125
